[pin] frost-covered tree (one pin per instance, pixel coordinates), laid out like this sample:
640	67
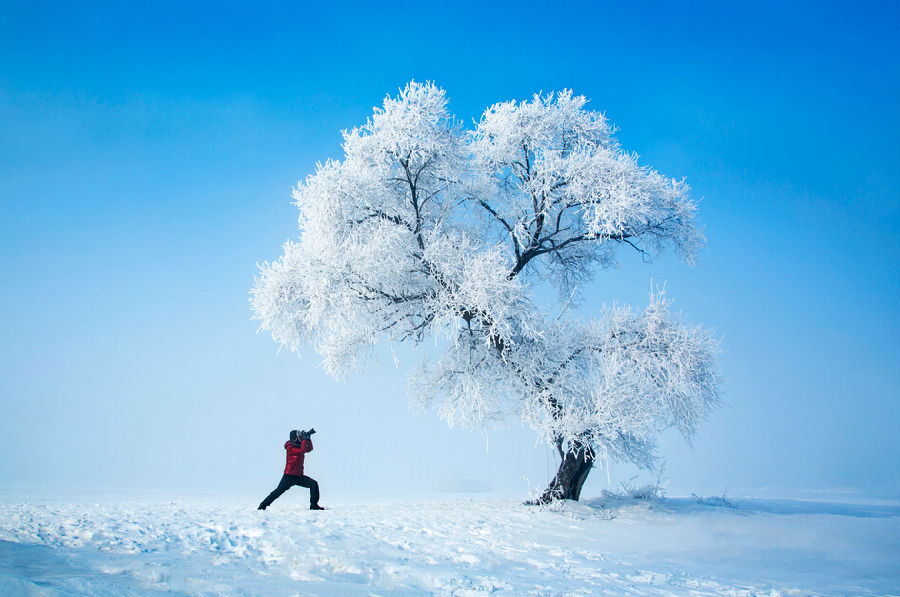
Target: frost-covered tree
426	229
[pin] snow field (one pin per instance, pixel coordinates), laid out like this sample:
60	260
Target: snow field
466	548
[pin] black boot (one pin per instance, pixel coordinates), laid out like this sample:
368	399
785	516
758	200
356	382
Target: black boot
316	507
261	507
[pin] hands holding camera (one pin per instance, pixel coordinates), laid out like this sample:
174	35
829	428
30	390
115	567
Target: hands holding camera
305	434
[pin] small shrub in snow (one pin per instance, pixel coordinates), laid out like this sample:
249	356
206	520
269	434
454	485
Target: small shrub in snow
719	501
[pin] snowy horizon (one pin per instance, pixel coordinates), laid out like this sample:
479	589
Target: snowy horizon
465	548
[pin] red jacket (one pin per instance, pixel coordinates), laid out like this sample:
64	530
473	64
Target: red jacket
295	455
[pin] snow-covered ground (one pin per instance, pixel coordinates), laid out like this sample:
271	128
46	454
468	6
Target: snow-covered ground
77	546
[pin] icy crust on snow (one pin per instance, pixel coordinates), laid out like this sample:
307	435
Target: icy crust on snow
598	547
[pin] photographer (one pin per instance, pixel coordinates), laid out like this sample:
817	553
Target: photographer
297	447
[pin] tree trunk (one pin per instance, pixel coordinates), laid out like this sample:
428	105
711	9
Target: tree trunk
573	470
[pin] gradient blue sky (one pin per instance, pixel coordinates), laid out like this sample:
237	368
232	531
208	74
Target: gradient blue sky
147	152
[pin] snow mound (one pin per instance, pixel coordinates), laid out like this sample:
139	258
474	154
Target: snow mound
466	548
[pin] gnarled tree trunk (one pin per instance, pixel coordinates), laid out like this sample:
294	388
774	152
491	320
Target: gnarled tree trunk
570	477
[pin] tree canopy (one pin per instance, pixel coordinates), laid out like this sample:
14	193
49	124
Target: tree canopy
427	228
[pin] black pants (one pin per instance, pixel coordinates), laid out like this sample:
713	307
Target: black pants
288	481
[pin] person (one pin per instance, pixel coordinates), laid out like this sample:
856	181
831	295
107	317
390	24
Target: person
297	447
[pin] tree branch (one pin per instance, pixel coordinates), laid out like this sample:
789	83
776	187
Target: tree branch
505	224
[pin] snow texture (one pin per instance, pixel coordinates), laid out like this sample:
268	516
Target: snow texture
464	547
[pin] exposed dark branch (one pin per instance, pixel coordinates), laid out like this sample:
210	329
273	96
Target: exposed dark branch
377	213
505	224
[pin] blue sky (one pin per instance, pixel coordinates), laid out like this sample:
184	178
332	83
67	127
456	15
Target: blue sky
147	154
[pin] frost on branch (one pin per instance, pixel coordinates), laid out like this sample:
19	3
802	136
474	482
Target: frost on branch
621	380
559	187
610	385
425	230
